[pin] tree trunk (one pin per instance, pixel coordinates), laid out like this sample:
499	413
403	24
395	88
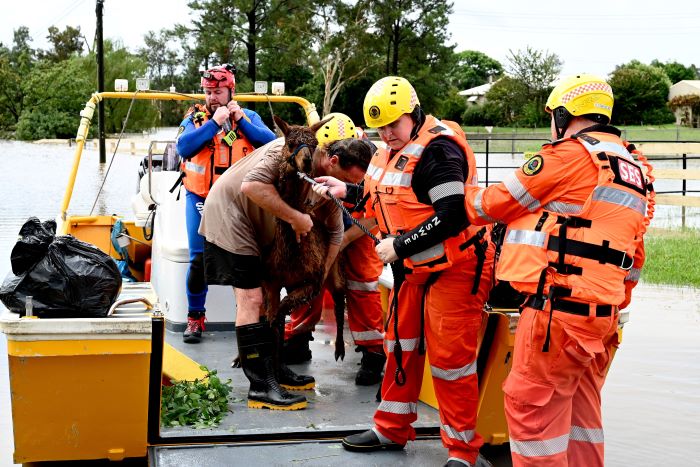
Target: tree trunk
397	41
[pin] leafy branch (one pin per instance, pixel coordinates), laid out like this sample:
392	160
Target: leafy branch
200	403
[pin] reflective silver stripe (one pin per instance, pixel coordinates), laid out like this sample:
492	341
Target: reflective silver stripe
397	179
447	130
455	373
587	435
547	447
191	166
372	335
526	237
478	207
466	435
621	198
435	251
605	146
406	344
520	193
363	286
561	207
633	275
413	150
374	172
401	408
446	189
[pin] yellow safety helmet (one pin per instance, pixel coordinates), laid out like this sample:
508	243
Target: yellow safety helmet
387	100
578	96
340	126
582	95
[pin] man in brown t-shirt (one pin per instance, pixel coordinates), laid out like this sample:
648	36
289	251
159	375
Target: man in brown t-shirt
238	222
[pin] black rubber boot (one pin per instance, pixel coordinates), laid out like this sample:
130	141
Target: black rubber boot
293	381
255	347
371	367
369	441
296	349
480	462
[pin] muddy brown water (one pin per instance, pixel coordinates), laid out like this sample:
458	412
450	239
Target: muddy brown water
651	401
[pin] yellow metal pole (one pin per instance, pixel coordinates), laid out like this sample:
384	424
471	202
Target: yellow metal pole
87	113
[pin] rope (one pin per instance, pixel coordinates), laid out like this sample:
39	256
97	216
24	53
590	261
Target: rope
339	203
104	179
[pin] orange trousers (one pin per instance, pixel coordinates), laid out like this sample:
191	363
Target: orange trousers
552	399
362	268
453	318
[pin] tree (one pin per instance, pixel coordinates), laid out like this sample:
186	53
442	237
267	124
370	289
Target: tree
534	71
640	94
473	68
677	71
229	27
344	46
65	44
56	93
413	36
15	66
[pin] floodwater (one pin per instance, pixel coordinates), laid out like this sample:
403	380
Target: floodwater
651	402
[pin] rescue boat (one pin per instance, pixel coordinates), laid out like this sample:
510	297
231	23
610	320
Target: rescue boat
90	388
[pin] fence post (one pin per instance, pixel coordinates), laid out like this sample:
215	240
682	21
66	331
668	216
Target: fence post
487	160
685	166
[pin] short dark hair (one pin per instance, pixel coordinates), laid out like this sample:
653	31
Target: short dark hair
351	152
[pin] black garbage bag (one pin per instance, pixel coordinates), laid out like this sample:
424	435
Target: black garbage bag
73	279
35	238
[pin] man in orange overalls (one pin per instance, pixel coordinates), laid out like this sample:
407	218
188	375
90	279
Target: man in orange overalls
416	186
576	215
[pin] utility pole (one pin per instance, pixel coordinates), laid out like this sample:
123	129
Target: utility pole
100	81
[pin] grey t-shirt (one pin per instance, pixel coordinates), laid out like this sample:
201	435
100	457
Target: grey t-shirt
232	221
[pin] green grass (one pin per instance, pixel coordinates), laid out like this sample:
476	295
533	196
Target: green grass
672	257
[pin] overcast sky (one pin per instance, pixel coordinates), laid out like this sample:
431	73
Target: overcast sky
591	36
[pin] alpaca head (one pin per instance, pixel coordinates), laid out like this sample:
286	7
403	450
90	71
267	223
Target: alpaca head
300	143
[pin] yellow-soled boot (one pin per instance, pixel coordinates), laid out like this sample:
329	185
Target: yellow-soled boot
255	346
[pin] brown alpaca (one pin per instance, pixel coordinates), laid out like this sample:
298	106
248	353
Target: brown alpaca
299	266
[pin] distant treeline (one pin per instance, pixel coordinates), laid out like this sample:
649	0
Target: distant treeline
328	51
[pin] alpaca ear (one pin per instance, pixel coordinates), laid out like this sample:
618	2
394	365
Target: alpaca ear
318	125
281	124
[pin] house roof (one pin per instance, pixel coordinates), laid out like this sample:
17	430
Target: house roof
684	88
477	91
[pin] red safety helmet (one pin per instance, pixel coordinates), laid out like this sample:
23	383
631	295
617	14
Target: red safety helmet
220	76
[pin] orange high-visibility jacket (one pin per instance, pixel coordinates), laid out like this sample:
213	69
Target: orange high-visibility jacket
205	167
388	181
583	245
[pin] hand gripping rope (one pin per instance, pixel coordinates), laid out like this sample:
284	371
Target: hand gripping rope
339	203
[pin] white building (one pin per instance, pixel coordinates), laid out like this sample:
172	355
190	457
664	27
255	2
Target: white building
476	96
684	115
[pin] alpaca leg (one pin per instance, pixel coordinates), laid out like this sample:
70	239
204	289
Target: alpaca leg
339	308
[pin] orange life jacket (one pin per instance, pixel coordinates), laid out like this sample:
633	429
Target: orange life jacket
204	168
581	251
397	208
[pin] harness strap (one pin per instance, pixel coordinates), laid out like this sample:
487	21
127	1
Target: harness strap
602	253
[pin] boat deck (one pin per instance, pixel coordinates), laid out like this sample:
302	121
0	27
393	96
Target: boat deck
336	405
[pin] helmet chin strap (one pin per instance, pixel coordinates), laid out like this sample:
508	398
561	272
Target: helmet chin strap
562	118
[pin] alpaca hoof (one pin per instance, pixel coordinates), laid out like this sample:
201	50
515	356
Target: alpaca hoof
236	363
340	354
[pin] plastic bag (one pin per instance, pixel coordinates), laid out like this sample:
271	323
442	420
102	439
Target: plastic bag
34	241
72	279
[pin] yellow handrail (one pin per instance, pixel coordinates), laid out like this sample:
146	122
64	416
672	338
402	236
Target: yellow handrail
87	113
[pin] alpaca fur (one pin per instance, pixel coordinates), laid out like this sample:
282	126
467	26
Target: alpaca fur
299	266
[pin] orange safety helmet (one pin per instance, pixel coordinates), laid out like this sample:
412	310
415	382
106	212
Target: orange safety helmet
219	77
